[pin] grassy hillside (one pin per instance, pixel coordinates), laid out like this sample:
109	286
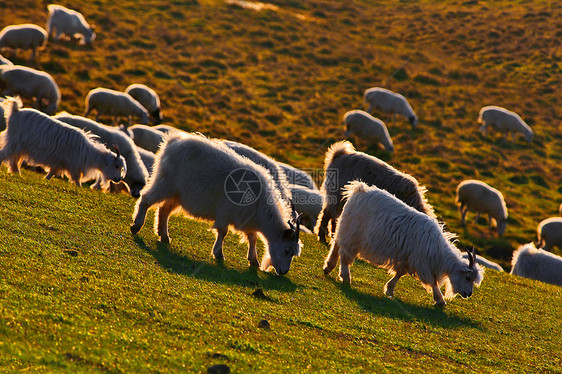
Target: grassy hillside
78	293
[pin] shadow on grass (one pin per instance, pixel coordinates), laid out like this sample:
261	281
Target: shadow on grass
217	272
398	309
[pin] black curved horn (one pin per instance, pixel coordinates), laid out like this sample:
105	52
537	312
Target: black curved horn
298	221
471	257
116	148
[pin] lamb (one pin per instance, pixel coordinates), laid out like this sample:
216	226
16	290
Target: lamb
210	181
31	84
146	137
383	230
389	101
116	104
503	121
137	174
49	143
5	61
343	164
549	233
297	176
538	264
307	202
484	262
148	98
479	197
267	162
367	127
147	158
70	23
24	36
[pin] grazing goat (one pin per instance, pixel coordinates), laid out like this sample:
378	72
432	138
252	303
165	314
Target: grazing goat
148	98
43	141
504	121
146	137
367	127
116	104
210	181
538	264
25	36
70	23
343	164
549	233
384	231
390	102
479	197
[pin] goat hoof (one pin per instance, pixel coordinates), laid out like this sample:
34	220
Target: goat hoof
134	229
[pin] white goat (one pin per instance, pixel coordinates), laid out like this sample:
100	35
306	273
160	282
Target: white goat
147	158
267	162
137	174
70	23
343	164
390	102
31	84
384	231
504	121
549	233
116	104
480	197
54	145
210	181
148	98
5	61
24	36
146	137
297	176
538	264
307	202
367	127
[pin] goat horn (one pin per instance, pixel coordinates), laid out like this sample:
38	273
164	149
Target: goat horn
116	147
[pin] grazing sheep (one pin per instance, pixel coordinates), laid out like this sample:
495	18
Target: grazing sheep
549	233
44	141
210	181
5	61
267	162
146	137
147	158
297	176
343	164
31	84
388	101
367	127
503	121
307	202
538	264
70	23
116	104
148	98
384	231
484	262
24	36
479	197
137	174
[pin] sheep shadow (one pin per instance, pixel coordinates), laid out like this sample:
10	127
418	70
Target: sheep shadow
215	271
398	309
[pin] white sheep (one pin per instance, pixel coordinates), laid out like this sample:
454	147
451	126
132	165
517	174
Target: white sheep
379	228
24	36
116	104
5	61
44	141
146	137
70	23
549	233
267	162
504	121
485	262
297	176
31	84
343	164
390	102
480	197
210	181
137	175
538	264
148	98
164	128
147	158
367	127
307	202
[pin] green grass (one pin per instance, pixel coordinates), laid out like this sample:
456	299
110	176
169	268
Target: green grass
78	292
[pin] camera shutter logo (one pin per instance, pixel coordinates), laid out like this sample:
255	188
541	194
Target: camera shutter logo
242	186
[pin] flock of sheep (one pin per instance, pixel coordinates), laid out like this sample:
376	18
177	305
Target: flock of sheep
365	207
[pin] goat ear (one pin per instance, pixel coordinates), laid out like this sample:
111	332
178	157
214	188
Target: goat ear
288	234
